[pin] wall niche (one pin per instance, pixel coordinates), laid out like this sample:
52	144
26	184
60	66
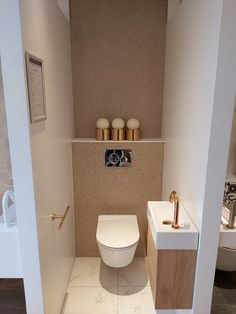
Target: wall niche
118	52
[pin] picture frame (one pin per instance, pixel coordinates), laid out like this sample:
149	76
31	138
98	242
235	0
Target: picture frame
36	89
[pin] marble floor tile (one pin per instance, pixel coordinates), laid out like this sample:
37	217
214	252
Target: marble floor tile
134	275
135	300
91	300
92	272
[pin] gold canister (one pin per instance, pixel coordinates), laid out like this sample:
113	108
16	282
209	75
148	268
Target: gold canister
133	134
118	134
103	134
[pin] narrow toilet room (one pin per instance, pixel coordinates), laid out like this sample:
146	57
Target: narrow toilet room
117	157
118	52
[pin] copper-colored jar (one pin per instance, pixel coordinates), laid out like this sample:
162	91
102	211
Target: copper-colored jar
133	134
103	134
118	134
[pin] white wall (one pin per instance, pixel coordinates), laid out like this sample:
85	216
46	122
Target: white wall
198	101
40	153
5	161
46	34
191	61
12	61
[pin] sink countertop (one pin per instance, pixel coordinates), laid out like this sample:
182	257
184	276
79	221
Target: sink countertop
227	236
164	236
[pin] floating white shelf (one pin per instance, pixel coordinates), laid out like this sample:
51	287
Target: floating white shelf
93	140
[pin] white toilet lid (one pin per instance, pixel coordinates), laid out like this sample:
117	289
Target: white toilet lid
117	231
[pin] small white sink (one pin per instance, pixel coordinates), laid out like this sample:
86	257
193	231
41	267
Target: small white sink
164	236
227	236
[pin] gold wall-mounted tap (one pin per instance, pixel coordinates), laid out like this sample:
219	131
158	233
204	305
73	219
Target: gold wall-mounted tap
173	198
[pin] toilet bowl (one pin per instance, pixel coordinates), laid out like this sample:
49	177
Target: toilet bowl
117	238
226	259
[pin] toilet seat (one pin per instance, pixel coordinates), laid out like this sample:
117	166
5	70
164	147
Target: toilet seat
117	231
116	249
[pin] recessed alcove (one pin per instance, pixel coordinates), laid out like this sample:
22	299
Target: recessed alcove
118	54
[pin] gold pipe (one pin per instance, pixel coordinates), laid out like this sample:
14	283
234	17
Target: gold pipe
62	217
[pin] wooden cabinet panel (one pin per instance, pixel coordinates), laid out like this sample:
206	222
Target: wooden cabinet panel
152	263
171	274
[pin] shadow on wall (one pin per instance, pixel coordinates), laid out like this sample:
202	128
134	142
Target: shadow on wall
231	169
5	161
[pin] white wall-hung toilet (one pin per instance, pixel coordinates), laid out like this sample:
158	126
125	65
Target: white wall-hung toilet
117	238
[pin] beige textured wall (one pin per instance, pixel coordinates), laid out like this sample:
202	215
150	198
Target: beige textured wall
5	162
118	50
101	190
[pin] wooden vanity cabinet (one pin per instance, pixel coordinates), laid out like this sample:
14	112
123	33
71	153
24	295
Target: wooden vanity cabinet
171	275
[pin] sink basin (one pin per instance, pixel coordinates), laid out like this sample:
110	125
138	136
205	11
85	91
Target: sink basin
227	236
164	236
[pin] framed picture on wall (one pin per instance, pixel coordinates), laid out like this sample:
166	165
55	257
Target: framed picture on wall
36	90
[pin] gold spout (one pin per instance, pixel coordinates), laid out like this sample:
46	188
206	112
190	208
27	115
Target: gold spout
173	198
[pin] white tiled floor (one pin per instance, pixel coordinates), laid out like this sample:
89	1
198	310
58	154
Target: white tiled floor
98	289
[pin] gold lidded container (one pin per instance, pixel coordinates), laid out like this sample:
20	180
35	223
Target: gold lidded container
103	132
118	131
133	134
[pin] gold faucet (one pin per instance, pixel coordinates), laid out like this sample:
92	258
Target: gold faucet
173	198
